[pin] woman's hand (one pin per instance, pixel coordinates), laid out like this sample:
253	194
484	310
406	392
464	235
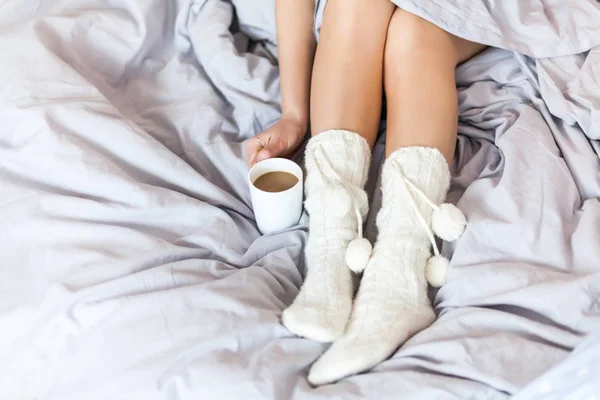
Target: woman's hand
280	140
296	49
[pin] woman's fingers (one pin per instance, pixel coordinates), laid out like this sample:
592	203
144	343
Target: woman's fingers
253	147
277	141
266	145
263	154
276	145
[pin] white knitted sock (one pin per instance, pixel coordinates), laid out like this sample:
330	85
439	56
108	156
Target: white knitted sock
392	302
337	164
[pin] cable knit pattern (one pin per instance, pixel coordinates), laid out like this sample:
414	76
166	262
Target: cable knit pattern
337	164
392	303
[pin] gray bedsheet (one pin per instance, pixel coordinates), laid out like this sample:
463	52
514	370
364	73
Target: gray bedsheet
131	265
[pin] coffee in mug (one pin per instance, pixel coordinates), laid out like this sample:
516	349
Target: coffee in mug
276	181
276	190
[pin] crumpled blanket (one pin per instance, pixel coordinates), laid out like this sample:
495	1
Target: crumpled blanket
131	264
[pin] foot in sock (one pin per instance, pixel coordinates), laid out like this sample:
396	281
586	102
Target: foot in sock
392	302
337	165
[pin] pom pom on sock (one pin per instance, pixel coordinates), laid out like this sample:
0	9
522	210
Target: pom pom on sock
436	271
448	222
358	254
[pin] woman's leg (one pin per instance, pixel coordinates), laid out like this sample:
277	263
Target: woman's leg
392	302
347	82
347	88
420	61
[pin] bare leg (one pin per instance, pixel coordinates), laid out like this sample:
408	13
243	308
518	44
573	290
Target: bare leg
347	82
420	61
346	95
392	303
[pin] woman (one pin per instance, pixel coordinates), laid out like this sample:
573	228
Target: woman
365	49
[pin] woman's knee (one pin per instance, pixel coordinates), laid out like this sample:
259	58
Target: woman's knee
354	17
411	38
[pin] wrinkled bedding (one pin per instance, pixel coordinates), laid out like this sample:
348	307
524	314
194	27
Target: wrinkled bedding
130	261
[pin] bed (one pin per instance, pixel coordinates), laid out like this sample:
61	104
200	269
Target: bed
131	264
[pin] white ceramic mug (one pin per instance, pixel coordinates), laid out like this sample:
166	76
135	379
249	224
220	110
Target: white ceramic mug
276	211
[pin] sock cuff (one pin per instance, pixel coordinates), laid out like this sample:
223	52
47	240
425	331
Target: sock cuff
337	155
352	138
420	153
425	167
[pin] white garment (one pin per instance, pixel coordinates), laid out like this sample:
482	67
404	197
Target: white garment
392	302
337	164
